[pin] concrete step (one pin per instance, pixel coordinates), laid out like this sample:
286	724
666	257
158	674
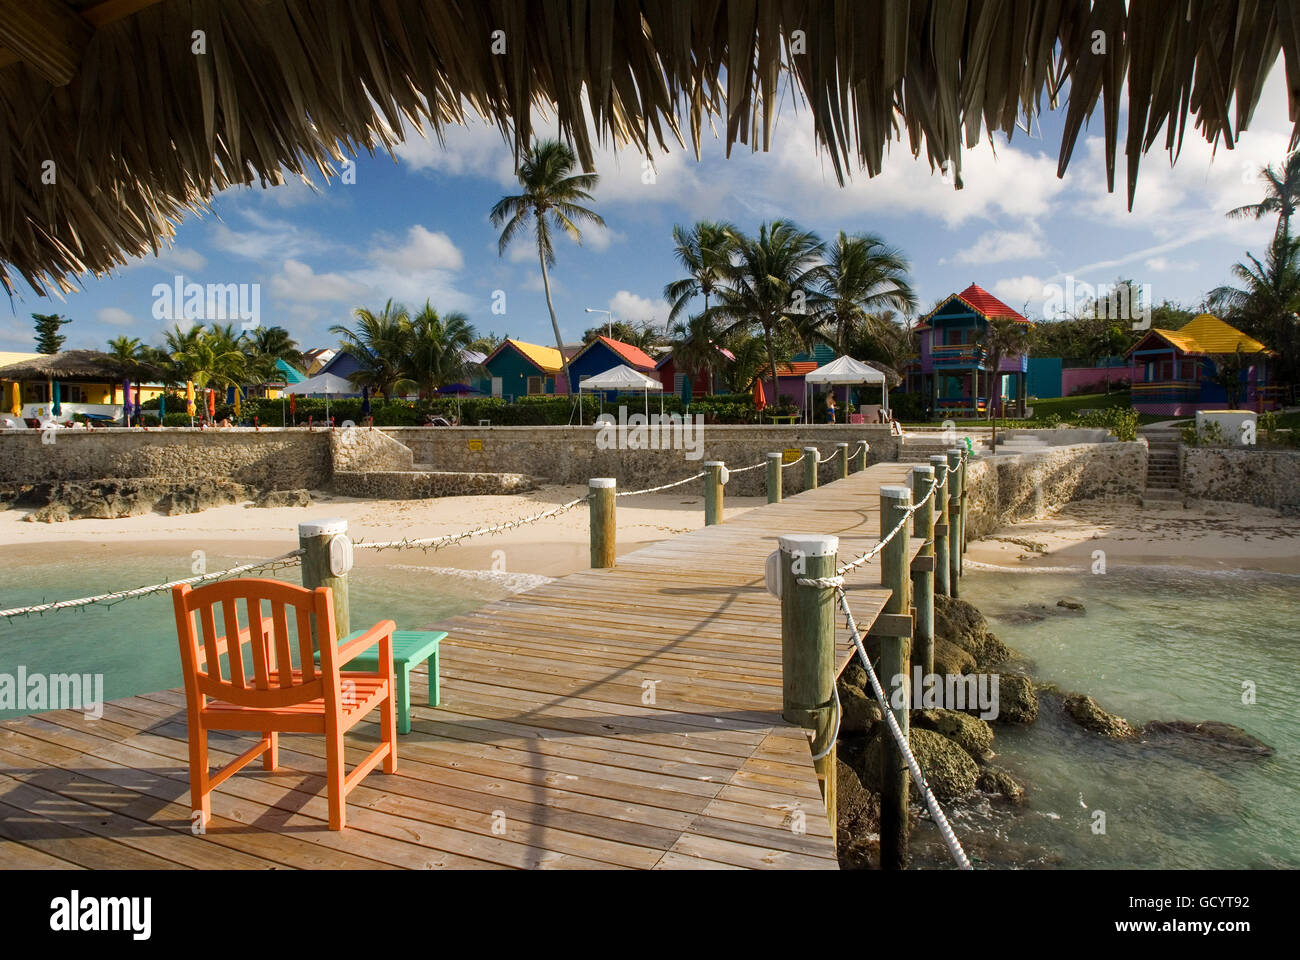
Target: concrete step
1161	497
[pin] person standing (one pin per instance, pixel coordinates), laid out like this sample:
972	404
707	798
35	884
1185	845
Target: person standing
830	409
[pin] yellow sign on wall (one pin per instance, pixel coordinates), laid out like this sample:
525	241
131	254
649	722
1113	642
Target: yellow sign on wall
475	443
791	454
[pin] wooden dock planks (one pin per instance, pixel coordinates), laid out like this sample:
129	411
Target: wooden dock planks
612	719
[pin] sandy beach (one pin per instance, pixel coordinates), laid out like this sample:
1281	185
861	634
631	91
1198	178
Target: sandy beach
1211	536
552	547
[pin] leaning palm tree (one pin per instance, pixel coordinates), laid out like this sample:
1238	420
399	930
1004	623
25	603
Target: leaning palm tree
438	345
1267	301
1281	194
863	276
769	284
704	251
1003	337
380	342
552	199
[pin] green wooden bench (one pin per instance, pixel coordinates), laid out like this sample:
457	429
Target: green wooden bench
410	649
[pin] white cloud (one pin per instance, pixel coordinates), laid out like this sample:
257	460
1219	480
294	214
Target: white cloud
422	250
996	246
1163	264
1017	291
116	317
638	310
297	281
271	239
172	259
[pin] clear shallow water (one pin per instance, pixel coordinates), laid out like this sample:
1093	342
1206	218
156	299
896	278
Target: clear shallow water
1152	644
133	643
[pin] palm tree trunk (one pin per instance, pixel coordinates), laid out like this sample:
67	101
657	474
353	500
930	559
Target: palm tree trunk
771	359
712	358
555	324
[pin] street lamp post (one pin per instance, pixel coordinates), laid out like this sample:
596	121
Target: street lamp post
609	321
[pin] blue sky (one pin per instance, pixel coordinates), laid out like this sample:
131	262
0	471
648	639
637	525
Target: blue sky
416	228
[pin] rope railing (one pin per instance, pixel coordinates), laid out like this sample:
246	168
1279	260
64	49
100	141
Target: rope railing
662	486
936	812
292	558
437	543
793	462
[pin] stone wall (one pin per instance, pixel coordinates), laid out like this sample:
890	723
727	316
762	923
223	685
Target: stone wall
359	449
271	458
1004	489
572	455
1264	478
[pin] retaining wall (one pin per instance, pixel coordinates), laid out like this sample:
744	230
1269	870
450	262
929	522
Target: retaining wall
1264	478
1004	489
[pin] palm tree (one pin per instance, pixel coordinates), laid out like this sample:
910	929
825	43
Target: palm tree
1266	303
552	199
126	349
1281	194
695	347
381	343
862	277
211	357
438	345
1003	337
267	345
705	252
769	283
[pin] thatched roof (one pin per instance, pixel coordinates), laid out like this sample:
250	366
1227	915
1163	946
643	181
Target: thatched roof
77	365
141	129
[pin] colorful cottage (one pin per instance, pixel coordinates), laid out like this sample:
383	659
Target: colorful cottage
790	383
1174	369
702	381
520	369
85	382
605	353
953	370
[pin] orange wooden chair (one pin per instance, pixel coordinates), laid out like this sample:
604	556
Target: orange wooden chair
269	687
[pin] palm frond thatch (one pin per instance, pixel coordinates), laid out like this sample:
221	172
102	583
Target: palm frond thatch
77	365
148	130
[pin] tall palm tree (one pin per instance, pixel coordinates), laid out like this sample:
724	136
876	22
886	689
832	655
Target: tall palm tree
862	277
438	345
211	357
695	347
552	199
769	284
1003	337
704	251
1267	300
381	343
1281	194
124	348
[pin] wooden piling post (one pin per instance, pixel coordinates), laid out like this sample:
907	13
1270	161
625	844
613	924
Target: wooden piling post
774	478
965	496
954	521
941	526
808	616
861	452
326	560
810	457
923	569
713	492
895	657
843	449
604	528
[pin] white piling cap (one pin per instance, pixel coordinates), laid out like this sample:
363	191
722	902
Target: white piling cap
810	544
956	451
714	463
777	454
602	483
322	528
896	492
924	468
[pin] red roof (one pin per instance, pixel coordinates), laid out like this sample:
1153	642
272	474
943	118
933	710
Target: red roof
634	356
989	305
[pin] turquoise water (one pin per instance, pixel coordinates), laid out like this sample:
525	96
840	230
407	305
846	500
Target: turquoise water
1152	644
133	643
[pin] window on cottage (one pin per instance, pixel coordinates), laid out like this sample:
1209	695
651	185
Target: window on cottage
534	385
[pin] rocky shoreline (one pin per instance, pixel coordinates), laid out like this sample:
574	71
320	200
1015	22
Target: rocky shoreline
56	501
956	749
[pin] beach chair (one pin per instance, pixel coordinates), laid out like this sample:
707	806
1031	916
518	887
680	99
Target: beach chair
269	683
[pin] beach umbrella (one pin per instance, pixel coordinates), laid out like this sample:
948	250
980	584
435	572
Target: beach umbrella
137	401
238	406
126	401
189	399
365	402
162	407
57	408
16	399
457	390
760	397
293	408
686	391
212	403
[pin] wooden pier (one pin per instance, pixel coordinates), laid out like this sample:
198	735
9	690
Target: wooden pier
617	718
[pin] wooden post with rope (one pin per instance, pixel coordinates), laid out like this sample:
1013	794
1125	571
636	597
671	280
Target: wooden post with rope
810	457
604	528
326	561
923	569
774	477
954	520
942	526
895	656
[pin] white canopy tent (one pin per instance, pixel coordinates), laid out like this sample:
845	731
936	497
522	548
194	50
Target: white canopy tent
846	371
624	378
323	384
